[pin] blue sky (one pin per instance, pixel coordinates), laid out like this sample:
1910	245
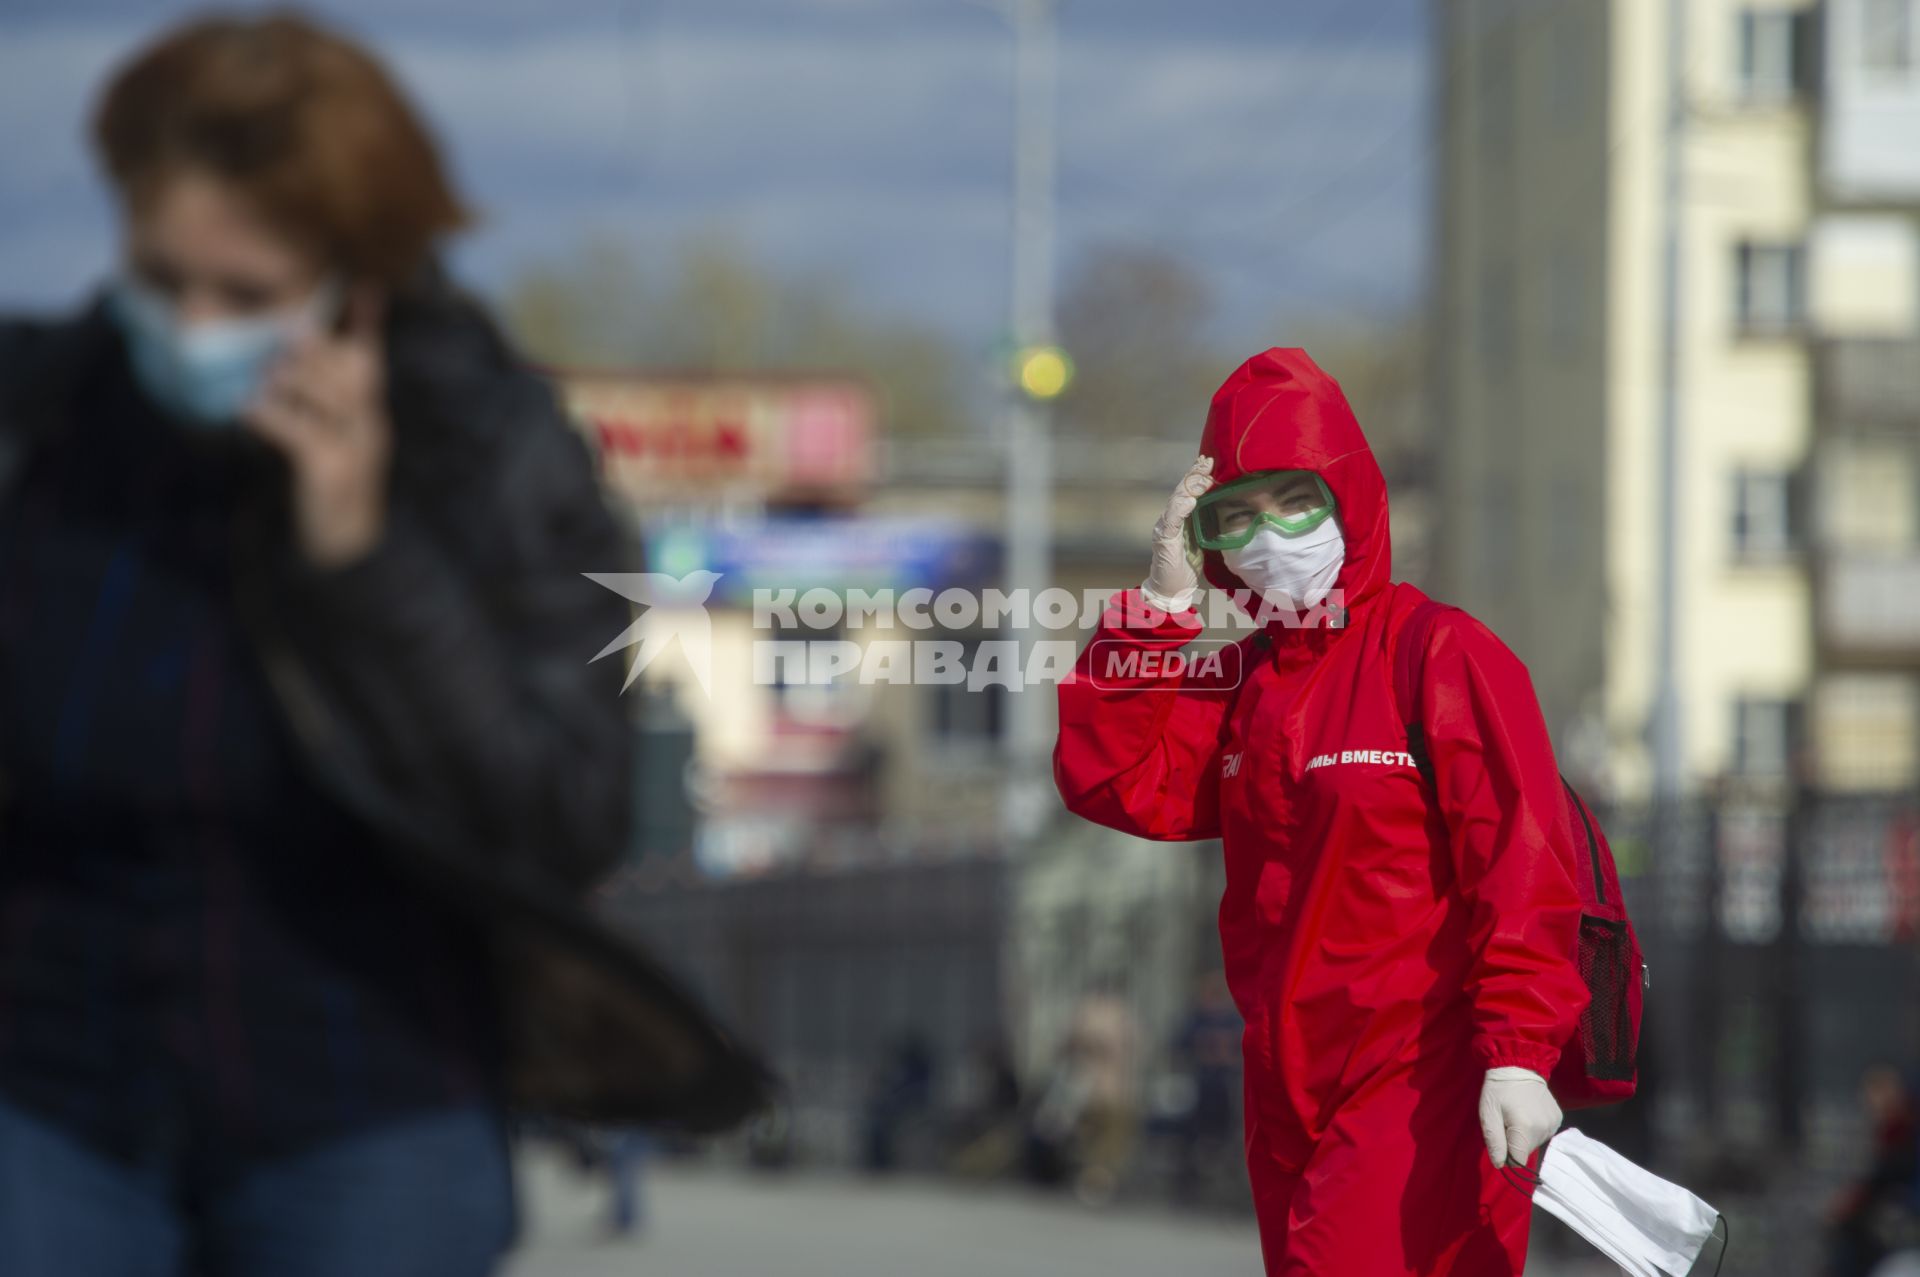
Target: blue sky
1280	146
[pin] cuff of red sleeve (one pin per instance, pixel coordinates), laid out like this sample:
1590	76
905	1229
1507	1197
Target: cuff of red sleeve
1499	1053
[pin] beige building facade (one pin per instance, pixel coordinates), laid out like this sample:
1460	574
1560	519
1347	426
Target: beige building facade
1552	353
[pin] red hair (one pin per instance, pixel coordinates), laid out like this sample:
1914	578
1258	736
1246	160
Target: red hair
305	124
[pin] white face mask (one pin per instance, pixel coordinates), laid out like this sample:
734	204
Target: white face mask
1295	572
1638	1220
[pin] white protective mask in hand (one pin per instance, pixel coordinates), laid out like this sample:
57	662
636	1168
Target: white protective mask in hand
1641	1222
1290	571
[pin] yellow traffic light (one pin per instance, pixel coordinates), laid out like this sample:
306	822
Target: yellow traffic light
1043	372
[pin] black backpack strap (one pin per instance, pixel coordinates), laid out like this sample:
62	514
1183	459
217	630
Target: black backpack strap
1409	669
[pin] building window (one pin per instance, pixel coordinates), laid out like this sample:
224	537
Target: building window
969	715
1771	288
1868	498
1766	735
1777	54
1863	732
1886	37
1766	515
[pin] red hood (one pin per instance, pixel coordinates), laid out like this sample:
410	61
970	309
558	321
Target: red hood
1279	411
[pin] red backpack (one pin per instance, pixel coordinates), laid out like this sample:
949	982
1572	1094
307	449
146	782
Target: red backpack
1599	1065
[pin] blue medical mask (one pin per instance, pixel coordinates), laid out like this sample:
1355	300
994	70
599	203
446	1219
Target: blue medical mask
204	373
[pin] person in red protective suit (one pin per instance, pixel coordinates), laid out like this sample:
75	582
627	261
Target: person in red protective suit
1401	952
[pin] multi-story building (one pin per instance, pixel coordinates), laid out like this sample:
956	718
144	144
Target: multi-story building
1781	324
1866	396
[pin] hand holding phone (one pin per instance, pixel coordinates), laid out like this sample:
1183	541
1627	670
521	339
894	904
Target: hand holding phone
324	406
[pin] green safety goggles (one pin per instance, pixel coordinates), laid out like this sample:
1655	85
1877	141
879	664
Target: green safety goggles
1290	501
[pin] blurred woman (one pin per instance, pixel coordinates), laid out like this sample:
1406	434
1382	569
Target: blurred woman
306	767
1398	938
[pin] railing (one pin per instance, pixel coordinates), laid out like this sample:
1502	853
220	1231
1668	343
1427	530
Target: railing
1869	605
1867	385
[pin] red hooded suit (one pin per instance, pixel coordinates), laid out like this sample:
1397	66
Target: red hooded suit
1385	949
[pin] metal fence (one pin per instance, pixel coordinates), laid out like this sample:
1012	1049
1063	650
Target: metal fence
1779	932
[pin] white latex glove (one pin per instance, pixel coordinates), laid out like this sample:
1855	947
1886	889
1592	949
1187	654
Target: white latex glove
1517	1114
1170	582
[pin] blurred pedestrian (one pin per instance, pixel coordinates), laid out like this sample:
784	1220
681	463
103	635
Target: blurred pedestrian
985	1134
627	1151
1208	1049
307	767
1105	1047
899	1094
618	1153
1399	930
1085	1123
1879	1214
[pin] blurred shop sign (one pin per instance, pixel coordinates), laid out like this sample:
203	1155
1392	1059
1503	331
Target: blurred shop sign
832	553
683	440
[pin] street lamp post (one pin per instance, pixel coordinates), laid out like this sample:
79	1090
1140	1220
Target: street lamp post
1669	766
1028	792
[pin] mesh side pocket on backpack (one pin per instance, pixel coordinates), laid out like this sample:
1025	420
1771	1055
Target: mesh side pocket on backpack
1606	1026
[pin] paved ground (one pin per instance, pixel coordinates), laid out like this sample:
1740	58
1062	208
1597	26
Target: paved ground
721	1224
709	1223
